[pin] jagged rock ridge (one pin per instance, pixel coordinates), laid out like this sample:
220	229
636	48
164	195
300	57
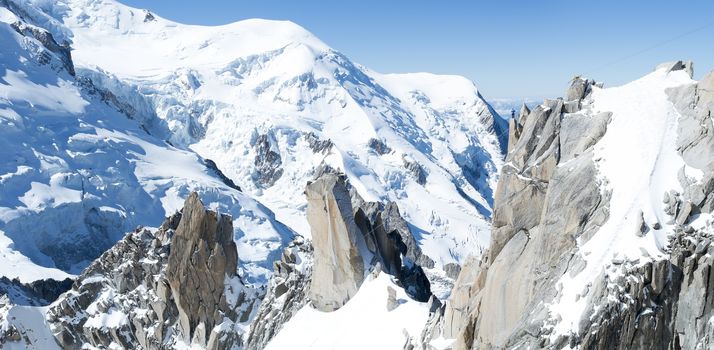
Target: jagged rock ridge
154	290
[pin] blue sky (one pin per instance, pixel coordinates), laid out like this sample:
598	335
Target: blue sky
509	48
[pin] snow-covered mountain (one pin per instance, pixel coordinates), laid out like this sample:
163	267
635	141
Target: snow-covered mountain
78	172
288	197
112	116
269	103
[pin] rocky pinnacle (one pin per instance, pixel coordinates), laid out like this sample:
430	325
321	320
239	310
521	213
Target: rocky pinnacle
203	255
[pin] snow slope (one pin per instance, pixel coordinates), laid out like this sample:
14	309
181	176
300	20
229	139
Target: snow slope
77	172
31	322
638	161
363	323
221	91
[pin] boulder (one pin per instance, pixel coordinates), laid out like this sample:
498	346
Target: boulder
579	87
684	212
641	225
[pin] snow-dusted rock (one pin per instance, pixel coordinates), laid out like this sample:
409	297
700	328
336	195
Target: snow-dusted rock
656	305
560	273
155	290
267	161
36	293
202	260
286	294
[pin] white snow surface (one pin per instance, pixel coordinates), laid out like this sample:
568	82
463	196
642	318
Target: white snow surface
363	323
215	90
638	161
76	174
30	321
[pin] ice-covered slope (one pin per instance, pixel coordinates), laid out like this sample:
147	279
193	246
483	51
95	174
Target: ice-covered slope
366	321
77	172
270	103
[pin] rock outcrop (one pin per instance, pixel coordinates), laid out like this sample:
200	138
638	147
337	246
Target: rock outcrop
267	161
155	290
203	257
416	170
36	293
687	66
317	145
378	146
663	304
339	266
211	165
515	126
116	281
499	301
350	238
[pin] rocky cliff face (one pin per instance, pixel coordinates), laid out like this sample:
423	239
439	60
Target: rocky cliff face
340	264
353	235
160	289
551	205
36	293
533	234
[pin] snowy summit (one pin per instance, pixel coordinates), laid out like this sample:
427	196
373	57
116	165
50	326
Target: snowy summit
246	186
